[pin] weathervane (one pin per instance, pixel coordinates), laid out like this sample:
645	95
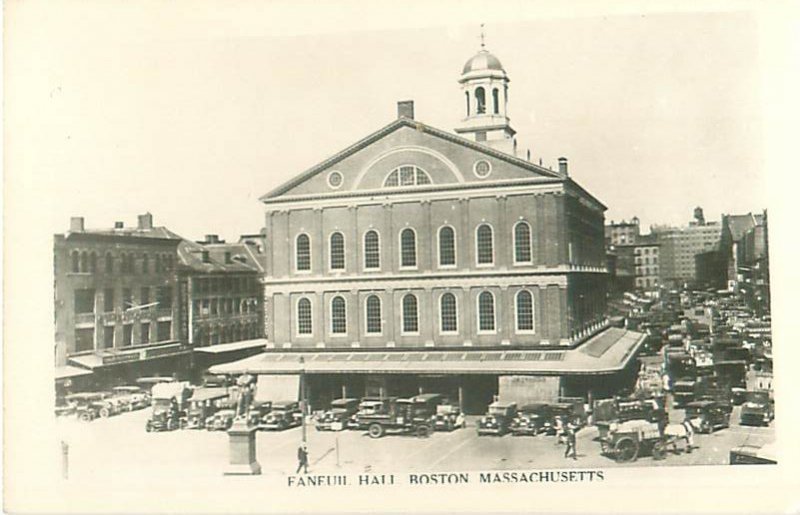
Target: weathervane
483	43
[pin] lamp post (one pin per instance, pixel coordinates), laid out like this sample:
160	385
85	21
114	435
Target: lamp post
303	402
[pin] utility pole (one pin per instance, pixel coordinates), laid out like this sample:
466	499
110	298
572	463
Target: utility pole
303	401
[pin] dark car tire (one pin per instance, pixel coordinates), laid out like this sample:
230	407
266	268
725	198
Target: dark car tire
376	430
423	431
148	427
86	417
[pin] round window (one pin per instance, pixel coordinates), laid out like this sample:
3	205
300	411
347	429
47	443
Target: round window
482	168
335	179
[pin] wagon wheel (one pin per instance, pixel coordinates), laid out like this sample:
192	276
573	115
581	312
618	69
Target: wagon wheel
659	450
423	431
105	412
626	449
376	430
86	416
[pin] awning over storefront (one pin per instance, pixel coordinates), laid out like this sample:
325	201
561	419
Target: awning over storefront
68	371
608	352
233	346
117	357
278	388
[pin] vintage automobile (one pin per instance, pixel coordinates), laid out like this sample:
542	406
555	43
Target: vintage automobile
400	416
283	415
532	419
336	418
368	407
258	410
203	403
570	409
168	401
216	380
447	418
147	383
91	405
708	415
132	397
758	409
738	395
222	420
497	420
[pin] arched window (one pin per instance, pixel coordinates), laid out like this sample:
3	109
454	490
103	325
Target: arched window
448	313
109	264
337	251
496	101
410	314
408	248
484	244
522	243
524	312
407	176
303	253
467	93
93	262
76	261
146	263
447	246
84	261
480	101
486	312
374	319
338	315
372	250
304	324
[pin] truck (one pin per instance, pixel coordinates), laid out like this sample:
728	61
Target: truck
398	416
169	402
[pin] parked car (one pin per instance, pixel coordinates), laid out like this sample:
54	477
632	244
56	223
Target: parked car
532	419
758	409
132	397
336	418
222	420
447	418
258	410
497	420
216	380
708	415
283	415
91	405
203	403
570	409
168	405
368	407
403	416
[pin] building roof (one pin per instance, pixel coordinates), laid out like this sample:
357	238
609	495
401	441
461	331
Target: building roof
242	258
607	352
740	224
419	126
483	60
154	233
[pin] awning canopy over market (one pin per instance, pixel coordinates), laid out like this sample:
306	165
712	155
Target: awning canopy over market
608	352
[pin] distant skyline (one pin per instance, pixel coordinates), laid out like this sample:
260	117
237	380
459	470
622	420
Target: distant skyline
657	114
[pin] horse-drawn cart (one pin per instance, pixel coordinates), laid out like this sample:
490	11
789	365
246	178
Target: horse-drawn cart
626	441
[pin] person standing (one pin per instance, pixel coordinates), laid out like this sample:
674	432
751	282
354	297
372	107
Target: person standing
571	441
302	459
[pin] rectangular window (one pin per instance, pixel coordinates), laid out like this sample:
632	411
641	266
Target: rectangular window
84	339
108	337
145	298
164	331
127	298
165	297
108	300
145	332
213	306
127	335
84	301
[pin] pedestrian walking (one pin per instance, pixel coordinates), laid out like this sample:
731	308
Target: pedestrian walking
302	459
687	424
571	442
559	430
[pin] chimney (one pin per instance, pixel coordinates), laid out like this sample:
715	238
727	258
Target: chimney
206	257
562	166
146	221
212	238
119	225
76	224
405	109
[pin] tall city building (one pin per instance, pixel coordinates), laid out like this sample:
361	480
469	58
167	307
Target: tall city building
680	245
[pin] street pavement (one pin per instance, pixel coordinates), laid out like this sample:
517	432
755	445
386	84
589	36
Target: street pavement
107	449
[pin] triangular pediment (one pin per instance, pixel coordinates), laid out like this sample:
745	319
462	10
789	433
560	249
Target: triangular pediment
423	156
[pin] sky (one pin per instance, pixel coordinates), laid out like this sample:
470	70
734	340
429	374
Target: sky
192	118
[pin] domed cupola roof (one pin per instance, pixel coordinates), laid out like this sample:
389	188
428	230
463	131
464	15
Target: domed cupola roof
483	60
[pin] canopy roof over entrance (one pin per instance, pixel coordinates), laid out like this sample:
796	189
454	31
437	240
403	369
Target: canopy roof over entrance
605	353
